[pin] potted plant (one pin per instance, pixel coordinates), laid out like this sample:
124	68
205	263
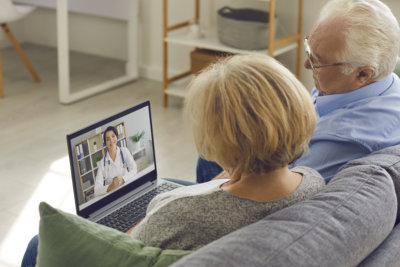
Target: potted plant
136	139
96	159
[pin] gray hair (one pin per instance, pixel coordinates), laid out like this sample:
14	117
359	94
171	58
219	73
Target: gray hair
372	34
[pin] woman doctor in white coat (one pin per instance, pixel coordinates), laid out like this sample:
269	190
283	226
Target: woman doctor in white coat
116	167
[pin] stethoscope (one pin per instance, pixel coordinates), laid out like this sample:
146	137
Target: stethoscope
109	162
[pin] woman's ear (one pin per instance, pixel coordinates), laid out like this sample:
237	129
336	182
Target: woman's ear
365	75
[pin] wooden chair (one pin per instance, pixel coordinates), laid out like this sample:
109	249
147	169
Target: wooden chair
8	13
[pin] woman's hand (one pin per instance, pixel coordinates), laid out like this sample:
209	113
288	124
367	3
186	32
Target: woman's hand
116	182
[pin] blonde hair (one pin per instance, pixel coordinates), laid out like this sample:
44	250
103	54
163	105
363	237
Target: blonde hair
249	113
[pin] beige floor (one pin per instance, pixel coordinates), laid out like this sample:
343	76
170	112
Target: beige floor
34	164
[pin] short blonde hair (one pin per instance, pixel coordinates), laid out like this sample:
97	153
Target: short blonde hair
249	113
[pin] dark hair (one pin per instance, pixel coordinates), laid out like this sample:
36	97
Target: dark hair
109	128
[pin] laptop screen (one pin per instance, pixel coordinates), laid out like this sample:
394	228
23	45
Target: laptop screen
93	168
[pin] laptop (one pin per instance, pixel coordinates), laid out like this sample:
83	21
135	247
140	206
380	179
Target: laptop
124	206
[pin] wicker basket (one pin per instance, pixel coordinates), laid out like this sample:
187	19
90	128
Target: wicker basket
201	58
243	28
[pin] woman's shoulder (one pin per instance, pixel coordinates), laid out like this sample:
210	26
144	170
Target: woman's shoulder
125	150
308	173
187	197
311	183
197	189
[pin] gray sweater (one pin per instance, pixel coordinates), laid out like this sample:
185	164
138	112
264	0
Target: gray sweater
190	217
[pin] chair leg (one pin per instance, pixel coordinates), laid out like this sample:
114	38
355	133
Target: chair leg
20	52
1	79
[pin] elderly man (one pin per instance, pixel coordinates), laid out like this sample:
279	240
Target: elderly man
352	52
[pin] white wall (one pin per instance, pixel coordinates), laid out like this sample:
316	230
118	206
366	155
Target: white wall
89	34
107	37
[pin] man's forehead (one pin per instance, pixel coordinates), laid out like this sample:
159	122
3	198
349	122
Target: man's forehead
326	39
331	30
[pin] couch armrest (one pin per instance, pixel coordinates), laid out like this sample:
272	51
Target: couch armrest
387	254
388	159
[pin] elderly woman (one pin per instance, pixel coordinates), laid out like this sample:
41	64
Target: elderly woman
253	117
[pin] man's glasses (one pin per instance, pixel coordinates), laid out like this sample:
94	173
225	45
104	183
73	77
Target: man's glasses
310	59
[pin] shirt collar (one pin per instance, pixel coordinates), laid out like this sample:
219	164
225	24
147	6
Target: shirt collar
324	104
108	157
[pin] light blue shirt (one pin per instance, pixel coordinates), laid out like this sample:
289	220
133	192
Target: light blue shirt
353	124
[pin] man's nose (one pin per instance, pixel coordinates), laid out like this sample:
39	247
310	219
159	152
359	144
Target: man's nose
307	64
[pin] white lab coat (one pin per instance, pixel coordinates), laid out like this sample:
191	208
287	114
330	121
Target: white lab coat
106	172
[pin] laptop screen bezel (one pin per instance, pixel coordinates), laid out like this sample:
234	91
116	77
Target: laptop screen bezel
149	177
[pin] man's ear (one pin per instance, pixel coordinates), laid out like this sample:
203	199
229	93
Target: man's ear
365	75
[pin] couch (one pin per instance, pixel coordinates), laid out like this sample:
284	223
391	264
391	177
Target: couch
349	223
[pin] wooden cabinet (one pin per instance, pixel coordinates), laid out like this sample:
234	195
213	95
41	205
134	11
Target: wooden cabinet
140	158
210	41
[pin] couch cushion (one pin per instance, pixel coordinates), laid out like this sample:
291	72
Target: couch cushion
389	159
339	226
69	240
387	254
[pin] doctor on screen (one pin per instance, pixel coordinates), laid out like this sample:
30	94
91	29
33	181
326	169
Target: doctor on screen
116	167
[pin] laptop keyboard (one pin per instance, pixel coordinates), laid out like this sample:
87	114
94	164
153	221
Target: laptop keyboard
129	215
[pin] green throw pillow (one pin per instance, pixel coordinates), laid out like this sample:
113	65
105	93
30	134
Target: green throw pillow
69	240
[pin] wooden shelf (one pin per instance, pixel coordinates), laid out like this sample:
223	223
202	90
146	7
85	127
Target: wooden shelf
210	41
277	45
179	88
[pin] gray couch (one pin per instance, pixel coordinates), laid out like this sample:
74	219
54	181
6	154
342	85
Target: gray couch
349	223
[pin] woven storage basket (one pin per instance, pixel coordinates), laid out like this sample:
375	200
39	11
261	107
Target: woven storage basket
201	58
243	28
